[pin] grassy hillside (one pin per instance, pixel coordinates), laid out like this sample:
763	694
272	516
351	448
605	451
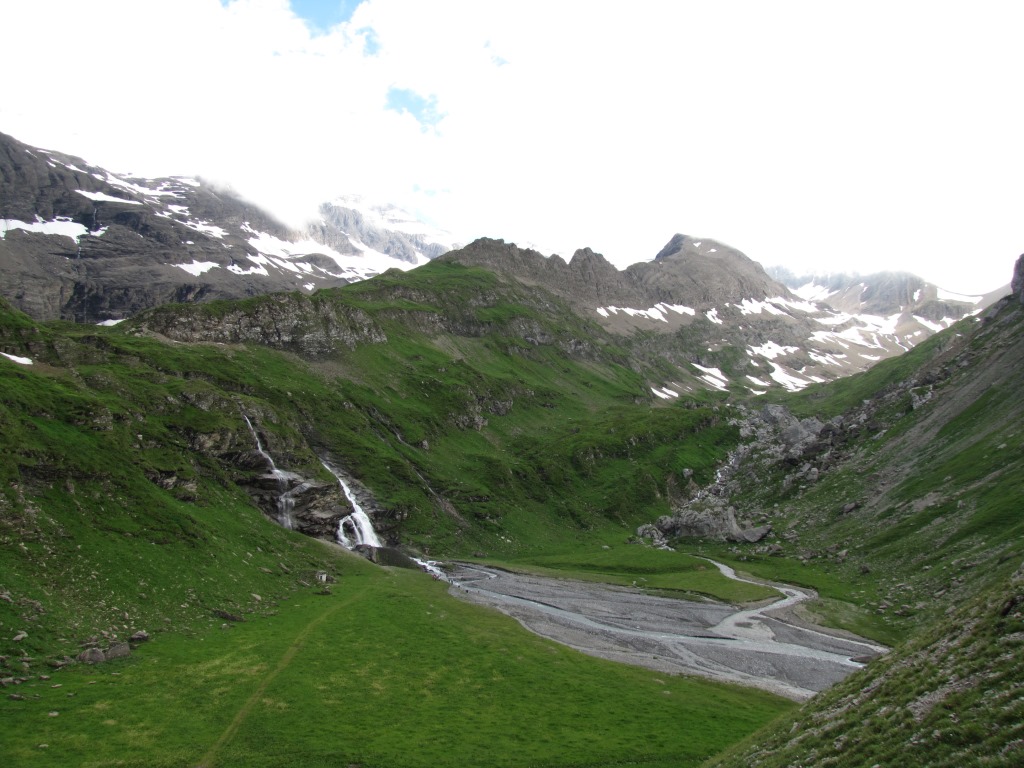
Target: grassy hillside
122	449
925	507
488	419
126	507
947	697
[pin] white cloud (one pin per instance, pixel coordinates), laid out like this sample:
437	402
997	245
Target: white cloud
855	136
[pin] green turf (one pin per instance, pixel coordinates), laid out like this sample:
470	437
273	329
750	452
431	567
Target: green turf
388	670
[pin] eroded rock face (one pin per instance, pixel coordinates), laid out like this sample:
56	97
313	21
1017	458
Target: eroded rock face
1017	284
775	436
708	519
307	325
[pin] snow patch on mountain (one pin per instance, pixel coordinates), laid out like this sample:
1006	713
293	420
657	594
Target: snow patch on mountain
62	226
822	358
714	377
771	350
164	190
945	295
261	263
207	229
198	267
657	312
786	379
811	291
754	307
932	326
17	359
808	307
103	197
664	393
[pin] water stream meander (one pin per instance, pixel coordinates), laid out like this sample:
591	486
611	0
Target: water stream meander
765	646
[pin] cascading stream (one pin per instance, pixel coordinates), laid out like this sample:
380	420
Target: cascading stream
286	482
354	530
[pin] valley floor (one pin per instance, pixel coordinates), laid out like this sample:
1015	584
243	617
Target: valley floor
382	670
765	646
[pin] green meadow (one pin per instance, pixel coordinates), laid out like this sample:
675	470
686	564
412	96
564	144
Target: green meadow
386	670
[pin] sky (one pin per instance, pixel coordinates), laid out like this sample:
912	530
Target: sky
821	136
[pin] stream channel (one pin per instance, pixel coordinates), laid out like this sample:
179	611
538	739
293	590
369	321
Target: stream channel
768	646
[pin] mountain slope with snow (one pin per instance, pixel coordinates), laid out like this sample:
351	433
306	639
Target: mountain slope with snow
78	242
724	322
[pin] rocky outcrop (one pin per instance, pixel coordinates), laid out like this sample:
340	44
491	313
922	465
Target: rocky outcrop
311	325
585	281
775	437
96	655
697	273
709	518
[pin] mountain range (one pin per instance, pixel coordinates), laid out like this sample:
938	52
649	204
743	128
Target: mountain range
85	244
174	488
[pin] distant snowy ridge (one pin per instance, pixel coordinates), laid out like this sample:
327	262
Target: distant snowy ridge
824	327
845	343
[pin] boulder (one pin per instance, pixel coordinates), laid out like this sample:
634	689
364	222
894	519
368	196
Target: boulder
92	656
653	533
751	535
118	651
665	524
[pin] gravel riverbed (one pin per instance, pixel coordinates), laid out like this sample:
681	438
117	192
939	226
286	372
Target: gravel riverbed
767	646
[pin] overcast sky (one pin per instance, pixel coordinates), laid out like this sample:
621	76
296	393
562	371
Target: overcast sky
827	136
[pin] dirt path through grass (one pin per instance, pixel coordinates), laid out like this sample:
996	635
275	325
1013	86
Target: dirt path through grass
207	760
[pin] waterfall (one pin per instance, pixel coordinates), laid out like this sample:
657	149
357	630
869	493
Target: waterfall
284	479
355	529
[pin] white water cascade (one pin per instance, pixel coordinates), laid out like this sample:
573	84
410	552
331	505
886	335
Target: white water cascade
283	478
356	529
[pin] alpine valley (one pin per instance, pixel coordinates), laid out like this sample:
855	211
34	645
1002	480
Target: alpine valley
262	489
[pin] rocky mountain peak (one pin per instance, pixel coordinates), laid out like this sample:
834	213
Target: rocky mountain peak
594	272
704	273
672	247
